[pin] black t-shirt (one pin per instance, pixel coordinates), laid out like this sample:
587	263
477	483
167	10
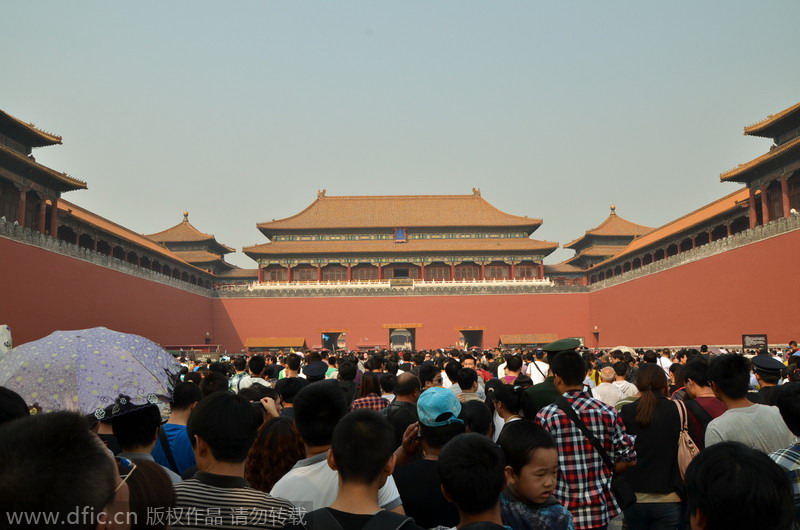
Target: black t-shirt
349	391
656	469
420	490
401	414
348	521
111	442
492	367
271	371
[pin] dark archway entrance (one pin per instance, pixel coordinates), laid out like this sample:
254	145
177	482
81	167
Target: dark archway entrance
330	340
401	339
472	338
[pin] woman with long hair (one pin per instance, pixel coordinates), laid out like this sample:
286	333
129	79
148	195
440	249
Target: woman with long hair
151	492
655	422
277	449
507	404
369	394
677	381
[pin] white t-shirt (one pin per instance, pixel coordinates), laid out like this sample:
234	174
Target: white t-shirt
446	383
248	381
534	374
627	388
312	481
499	423
501	371
757	426
664	363
608	393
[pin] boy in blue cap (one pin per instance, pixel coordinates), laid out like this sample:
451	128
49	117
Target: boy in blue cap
418	481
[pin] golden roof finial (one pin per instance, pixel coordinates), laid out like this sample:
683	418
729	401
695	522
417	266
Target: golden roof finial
476	192
185	216
613	210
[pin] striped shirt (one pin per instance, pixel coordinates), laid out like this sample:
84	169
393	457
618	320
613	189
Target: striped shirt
226	502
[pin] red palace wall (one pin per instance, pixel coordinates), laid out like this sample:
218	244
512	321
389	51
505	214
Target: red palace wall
749	290
43	291
441	317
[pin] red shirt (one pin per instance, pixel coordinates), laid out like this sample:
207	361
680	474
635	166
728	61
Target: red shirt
713	407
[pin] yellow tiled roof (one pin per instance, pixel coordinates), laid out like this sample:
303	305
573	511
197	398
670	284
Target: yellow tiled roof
521	244
274	342
758	129
71	183
741	169
529	338
614	225
36	137
702	214
185	232
399	211
110	227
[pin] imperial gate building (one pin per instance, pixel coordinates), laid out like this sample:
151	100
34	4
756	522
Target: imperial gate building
444	238
407	271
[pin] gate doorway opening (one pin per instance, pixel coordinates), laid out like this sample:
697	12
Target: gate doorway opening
472	338
334	340
402	339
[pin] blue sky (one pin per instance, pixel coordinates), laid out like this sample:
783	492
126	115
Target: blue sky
240	111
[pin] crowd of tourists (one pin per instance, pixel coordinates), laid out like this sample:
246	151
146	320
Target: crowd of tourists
554	438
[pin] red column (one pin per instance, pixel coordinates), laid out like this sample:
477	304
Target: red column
453	272
512	270
380	271
764	205
751	209
421	271
349	273
319	273
54	218
260	274
727	227
541	271
23	195
42	214
584	280
483	271
785	195
288	274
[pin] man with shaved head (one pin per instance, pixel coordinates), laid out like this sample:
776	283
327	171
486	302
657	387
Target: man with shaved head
607	391
402	412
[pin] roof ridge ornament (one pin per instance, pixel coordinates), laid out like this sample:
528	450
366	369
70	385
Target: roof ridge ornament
476	192
185	216
613	210
321	193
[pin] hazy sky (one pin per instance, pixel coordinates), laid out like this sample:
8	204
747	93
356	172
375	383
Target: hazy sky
240	111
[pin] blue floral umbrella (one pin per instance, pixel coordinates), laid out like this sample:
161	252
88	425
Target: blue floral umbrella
94	371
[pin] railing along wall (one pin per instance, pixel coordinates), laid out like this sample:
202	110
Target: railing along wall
774	228
15	232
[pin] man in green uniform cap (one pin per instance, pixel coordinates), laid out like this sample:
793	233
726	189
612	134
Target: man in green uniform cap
545	393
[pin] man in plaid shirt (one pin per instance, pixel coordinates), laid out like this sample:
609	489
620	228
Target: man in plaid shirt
584	481
789	457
